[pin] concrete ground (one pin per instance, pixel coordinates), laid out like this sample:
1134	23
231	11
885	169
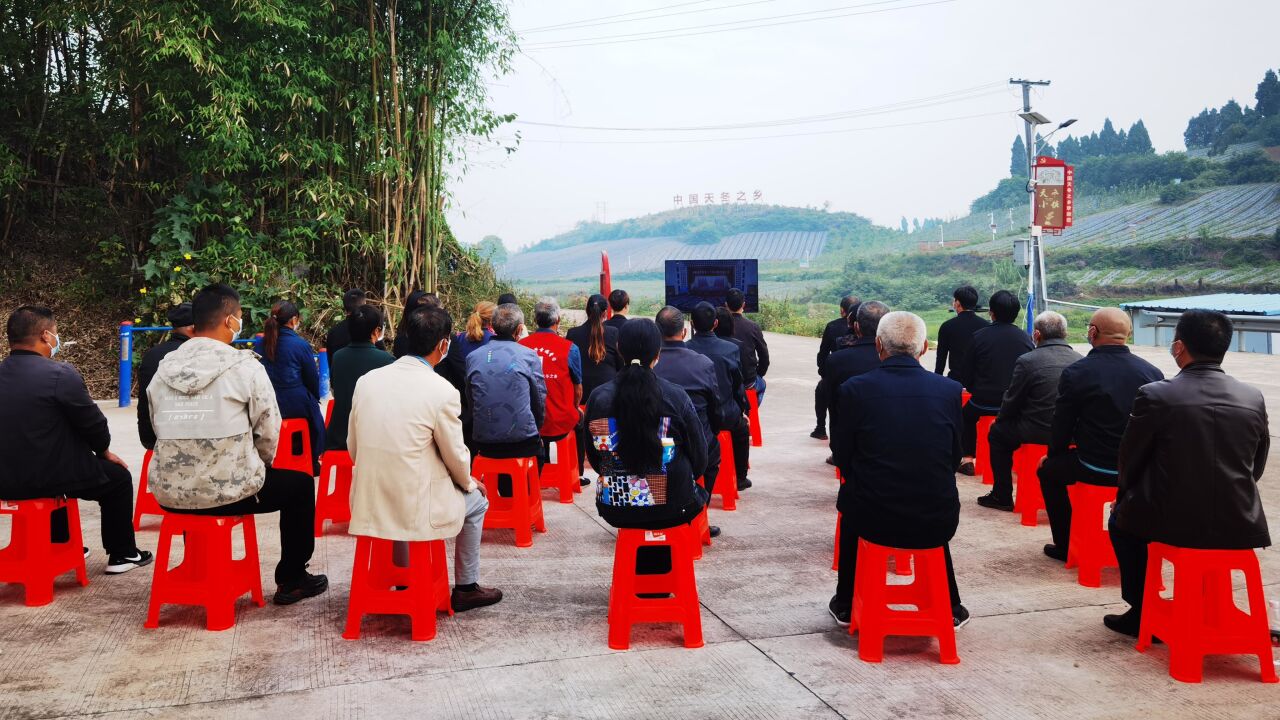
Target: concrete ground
1036	647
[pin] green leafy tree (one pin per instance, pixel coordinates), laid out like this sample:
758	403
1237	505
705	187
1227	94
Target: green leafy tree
903	224
1109	140
491	248
1268	95
1139	140
1018	158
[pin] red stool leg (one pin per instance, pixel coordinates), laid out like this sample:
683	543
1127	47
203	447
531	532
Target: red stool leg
159	576
359	588
1258	619
422	588
252	569
686	585
623	591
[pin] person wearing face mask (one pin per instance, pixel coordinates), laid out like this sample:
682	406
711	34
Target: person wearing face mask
412	480
1089	417
360	357
54	440
1191	457
217	426
291	365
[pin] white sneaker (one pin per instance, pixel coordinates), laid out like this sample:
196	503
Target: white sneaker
117	564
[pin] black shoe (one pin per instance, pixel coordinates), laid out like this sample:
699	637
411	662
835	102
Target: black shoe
960	616
464	600
1125	623
819	434
840	614
1055	552
714	530
583	482
991	501
831	459
120	564
967	468
308	586
743	484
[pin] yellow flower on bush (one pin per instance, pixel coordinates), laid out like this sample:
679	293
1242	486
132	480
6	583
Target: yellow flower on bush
142	291
177	268
186	256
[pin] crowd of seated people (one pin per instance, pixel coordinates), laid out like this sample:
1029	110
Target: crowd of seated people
648	404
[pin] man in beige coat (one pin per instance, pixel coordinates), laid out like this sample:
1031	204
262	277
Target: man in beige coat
412	479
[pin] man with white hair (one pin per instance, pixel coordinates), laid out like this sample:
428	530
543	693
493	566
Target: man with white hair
1026	412
562	370
898	447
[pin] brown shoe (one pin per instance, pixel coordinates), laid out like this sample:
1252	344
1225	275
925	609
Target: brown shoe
464	600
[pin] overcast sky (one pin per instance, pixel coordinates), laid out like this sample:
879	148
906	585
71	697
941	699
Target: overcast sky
1161	61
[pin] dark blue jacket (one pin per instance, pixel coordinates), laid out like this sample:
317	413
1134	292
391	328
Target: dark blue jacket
296	380
1095	396
900	450
859	358
696	375
727	357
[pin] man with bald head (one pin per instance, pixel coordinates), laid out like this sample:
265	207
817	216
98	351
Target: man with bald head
1095	396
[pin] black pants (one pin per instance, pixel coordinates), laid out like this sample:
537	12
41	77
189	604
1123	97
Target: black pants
713	461
820	405
1131	554
1056	475
849	564
115	501
970	414
1003	440
741	435
293	495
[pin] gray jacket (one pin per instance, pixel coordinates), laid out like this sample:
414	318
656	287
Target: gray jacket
1033	390
216	423
507	391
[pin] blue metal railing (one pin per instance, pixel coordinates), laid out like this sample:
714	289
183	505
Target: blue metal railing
127	329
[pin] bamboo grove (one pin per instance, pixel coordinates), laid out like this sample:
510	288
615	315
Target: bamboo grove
287	145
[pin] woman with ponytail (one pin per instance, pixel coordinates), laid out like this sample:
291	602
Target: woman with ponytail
646	443
291	365
598	345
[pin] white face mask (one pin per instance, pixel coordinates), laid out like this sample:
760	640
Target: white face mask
57	345
238	330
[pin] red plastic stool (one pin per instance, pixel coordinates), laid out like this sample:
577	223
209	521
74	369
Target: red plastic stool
982	456
872	617
208	574
901	560
702	532
1089	548
563	473
333	498
753	417
375	574
1202	618
521	511
328	413
964	397
1028	501
31	559
286	458
626	609
146	503
727	480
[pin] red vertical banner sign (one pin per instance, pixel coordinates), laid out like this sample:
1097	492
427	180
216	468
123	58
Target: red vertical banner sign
606	281
1055	194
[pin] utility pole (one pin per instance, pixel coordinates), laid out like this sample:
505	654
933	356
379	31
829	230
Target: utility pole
1035	268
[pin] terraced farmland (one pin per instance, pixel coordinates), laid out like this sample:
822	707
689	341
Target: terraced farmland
1228	212
637	255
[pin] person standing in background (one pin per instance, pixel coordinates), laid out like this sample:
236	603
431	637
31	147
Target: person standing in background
834	330
755	351
955	335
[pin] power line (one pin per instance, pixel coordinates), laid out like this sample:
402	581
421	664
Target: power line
914	104
762	137
579	25
609	17
681	32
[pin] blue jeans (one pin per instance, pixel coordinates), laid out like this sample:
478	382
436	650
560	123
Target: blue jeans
759	390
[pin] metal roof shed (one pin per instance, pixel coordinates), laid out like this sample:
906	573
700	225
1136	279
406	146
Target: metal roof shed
1256	318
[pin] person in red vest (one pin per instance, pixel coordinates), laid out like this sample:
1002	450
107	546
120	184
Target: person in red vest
562	369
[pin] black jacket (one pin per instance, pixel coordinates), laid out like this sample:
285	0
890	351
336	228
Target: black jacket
595	374
146	371
1033	392
727	357
666	499
954	337
755	351
696	375
834	330
899	450
340	337
1094	398
859	358
1192	455
51	431
987	366
616	321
